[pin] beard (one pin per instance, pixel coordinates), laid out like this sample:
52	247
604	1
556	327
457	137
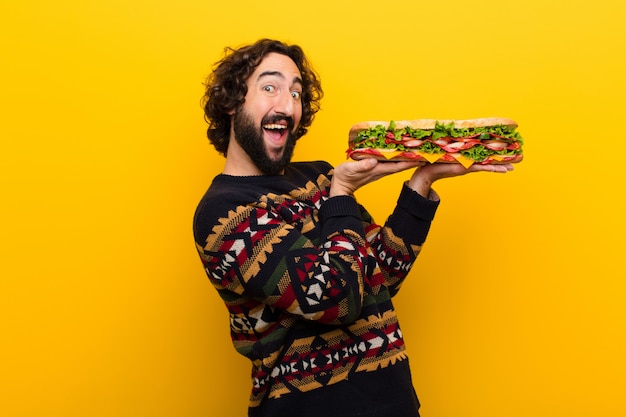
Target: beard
250	138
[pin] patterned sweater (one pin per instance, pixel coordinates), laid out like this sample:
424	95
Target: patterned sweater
307	279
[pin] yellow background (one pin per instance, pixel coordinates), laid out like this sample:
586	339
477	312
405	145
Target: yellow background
516	307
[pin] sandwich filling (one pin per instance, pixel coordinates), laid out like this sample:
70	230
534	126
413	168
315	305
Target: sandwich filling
444	141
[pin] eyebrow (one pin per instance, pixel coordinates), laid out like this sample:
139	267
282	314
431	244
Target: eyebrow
280	75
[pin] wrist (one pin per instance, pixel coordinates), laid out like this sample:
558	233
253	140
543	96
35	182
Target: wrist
420	185
337	190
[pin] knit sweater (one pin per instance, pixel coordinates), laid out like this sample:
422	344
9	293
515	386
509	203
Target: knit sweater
308	280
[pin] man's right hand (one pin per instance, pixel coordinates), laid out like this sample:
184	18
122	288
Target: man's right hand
423	179
352	175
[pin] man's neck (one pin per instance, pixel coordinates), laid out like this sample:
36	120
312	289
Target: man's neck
238	162
240	167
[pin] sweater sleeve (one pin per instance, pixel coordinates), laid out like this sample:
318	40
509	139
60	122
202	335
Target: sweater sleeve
397	244
258	252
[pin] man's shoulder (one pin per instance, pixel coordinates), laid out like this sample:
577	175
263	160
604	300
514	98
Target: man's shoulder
225	193
228	193
308	167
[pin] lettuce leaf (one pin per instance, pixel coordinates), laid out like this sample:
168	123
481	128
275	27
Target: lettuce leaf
429	147
477	153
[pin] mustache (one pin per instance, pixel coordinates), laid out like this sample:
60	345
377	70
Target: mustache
278	118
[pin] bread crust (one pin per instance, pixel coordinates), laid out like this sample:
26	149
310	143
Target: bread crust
362	155
426	124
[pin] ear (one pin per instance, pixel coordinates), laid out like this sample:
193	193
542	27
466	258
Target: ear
231	112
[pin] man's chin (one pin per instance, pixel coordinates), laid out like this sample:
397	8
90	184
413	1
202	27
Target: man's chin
275	155
274	162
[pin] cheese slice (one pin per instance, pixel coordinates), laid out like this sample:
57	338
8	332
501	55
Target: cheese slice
466	162
389	154
392	153
430	157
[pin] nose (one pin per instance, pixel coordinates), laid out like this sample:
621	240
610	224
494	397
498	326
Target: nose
285	104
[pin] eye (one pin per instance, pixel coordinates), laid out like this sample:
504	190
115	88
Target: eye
296	95
269	88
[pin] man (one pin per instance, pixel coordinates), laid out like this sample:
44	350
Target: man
306	274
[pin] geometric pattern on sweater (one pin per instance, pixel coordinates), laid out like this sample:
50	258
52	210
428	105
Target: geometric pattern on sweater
324	359
245	239
290	291
391	254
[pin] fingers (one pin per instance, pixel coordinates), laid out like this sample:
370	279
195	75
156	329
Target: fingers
499	168
435	172
375	167
352	175
398	166
365	164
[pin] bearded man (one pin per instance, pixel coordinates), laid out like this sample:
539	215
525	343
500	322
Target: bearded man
307	275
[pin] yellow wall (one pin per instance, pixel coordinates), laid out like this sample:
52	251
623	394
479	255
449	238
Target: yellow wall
516	306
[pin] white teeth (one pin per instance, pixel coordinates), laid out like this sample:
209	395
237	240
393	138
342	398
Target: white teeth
274	126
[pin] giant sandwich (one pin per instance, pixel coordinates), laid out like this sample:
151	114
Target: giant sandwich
490	140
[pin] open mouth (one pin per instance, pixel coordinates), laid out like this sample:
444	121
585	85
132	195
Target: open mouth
276	131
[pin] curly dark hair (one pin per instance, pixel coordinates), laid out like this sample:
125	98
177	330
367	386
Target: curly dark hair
226	87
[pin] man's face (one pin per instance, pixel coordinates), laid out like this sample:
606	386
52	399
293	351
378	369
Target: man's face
251	139
265	124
